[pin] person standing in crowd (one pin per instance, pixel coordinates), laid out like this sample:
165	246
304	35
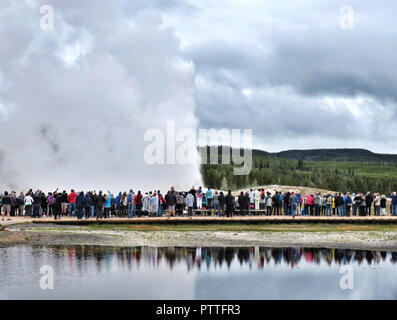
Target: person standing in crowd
383	204
57	206
194	193
21	204
44	204
146	204
222	202
118	204
334	213
64	202
171	202
138	203
262	201
348	204
180	203
293	200
317	204
241	203
14	203
276	204
154	205
257	198
377	200
268	203
216	203
6	202
72	203
310	203
252	200
393	204
199	196
88	204
210	196
362	205
80	205
329	201
229	204
100	203
339	204
28	201
368	203
189	204
108	204
36	205
161	204
130	204
323	205
287	205
51	203
300	201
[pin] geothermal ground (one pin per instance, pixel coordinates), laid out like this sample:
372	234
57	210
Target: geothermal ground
352	236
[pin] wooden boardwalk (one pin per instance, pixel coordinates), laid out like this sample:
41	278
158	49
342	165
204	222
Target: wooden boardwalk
225	220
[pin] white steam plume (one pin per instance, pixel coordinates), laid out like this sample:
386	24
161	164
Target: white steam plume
75	102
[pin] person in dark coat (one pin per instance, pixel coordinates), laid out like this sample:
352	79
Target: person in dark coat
247	204
36	205
369	199
88	203
229	204
221	203
80	204
100	202
241	203
276	204
57	206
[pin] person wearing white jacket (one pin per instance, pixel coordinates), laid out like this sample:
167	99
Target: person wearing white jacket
154	205
257	198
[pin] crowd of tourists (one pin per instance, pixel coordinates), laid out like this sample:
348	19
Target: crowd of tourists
101	205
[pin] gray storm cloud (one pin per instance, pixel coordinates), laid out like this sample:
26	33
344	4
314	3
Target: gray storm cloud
76	101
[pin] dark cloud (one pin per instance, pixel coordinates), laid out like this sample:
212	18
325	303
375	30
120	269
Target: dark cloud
304	76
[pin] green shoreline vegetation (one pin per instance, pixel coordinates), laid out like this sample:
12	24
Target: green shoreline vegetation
315	227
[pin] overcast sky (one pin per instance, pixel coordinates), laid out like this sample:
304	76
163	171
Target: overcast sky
289	71
76	101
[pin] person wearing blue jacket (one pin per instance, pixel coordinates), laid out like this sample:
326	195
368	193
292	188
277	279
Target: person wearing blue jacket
108	204
118	204
393	204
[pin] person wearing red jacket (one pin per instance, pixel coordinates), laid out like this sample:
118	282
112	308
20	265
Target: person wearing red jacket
72	203
138	203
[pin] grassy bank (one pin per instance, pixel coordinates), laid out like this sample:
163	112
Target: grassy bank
231	227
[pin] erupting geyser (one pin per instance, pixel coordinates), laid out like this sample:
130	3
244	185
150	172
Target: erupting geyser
76	101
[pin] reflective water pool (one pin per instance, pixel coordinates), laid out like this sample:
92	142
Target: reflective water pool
94	272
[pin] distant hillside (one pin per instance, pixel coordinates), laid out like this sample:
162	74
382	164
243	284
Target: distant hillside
332	169
350	155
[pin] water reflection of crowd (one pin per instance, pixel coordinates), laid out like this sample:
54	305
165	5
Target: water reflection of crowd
217	257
